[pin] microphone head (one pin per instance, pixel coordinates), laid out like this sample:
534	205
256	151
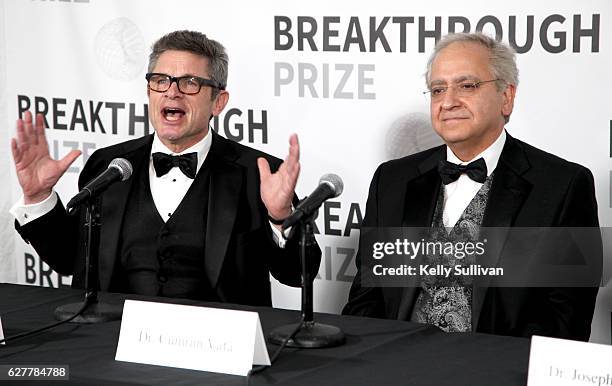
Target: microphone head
124	166
334	181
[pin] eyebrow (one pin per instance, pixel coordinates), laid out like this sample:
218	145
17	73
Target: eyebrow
456	80
182	76
189	76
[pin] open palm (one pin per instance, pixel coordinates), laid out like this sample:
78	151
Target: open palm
37	172
277	189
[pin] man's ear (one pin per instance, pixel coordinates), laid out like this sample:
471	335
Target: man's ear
220	102
508	94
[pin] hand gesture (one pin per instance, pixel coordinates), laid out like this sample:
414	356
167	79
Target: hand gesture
277	189
37	172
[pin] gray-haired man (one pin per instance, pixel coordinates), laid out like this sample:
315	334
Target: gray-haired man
503	182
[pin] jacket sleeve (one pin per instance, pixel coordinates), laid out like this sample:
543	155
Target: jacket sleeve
567	312
55	236
285	263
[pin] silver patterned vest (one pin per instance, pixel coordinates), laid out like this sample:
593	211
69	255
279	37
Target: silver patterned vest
447	302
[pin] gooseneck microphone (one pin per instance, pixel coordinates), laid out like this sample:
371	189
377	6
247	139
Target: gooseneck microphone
119	169
330	186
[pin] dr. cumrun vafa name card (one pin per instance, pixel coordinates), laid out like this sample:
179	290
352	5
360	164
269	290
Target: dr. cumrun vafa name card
190	337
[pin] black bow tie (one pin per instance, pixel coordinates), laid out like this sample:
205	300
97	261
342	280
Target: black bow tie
450	172
188	163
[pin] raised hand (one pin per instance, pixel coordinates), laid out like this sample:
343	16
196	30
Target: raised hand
37	172
277	189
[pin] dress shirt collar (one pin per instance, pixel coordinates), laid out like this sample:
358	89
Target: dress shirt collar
490	155
202	148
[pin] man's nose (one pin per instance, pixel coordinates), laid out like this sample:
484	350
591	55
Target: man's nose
173	91
450	98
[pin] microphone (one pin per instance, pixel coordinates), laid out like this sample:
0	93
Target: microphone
330	186
119	169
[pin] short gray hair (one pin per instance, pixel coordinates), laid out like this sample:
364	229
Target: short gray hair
196	43
502	57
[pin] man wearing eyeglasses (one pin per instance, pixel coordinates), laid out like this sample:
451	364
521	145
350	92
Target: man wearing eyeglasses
200	216
481	177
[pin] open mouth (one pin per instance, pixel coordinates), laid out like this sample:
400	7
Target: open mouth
173	113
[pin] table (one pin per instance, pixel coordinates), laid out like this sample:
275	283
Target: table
377	352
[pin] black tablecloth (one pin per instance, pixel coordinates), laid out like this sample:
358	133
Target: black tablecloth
377	352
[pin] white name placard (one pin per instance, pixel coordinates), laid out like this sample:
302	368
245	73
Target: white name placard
560	362
189	337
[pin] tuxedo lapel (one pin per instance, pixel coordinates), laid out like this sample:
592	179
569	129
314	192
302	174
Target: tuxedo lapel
509	188
226	179
506	197
421	197
113	209
422	193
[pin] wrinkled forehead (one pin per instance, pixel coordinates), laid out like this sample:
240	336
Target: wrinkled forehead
180	63
460	61
456	80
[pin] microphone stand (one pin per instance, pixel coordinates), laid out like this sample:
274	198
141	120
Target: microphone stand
92	310
310	333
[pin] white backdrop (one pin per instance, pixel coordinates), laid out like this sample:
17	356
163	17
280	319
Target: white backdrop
352	92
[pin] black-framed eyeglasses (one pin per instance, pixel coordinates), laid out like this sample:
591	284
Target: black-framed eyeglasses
188	84
465	88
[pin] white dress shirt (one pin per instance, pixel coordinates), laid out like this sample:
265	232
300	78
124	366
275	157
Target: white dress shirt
167	191
459	194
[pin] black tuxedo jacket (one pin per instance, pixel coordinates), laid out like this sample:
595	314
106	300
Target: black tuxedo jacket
239	249
530	188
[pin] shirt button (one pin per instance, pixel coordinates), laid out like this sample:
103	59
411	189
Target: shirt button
25	215
169	214
174	180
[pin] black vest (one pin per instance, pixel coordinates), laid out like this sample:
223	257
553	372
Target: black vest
164	259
